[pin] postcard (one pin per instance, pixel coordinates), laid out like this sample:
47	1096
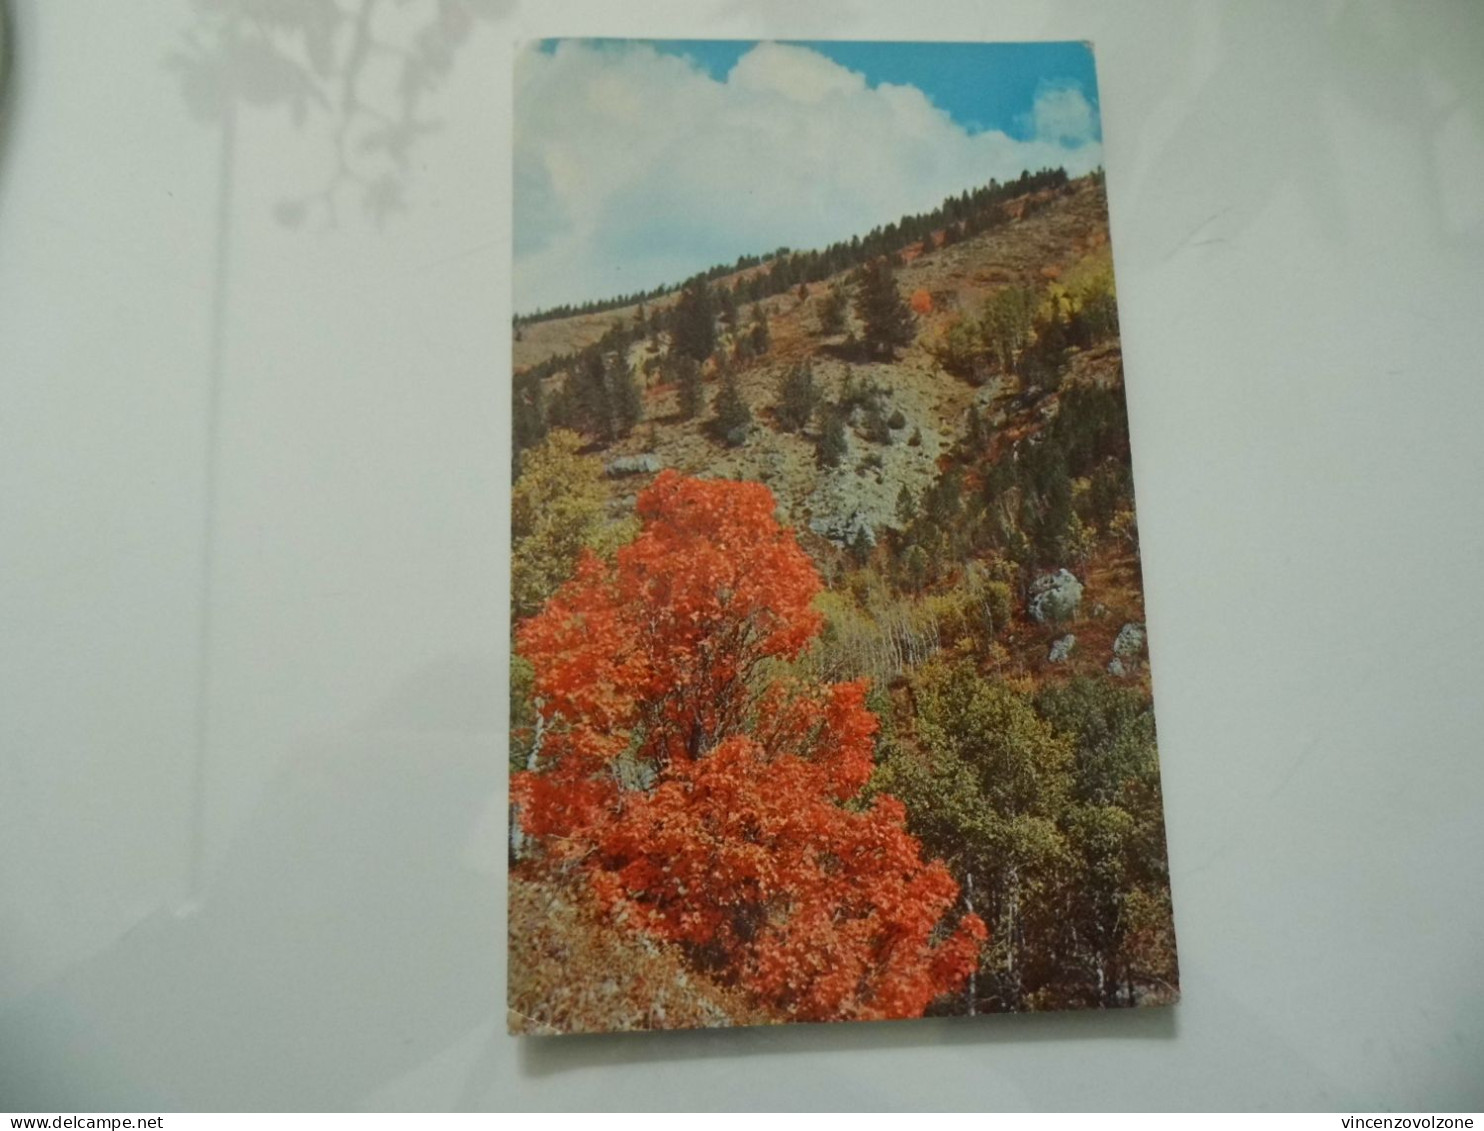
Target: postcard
830	693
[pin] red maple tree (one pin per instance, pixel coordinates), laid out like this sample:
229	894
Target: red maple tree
705	794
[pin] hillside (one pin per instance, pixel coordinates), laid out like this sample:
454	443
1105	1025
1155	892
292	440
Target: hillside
941	427
1047	236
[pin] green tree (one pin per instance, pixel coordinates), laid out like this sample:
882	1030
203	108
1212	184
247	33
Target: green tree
733	417
985	791
556	510
688	380
961	351
888	321
726	302
975	436
593	397
695	321
916	567
798	397
1006	323
628	397
832	443
529	405
1118	892
759	335
832	310
906	508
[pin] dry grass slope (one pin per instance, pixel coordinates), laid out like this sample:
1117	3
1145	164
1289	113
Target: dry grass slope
572	972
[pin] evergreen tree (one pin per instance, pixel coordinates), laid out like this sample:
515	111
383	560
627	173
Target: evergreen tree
832	311
906	508
797	398
529	412
915	567
593	398
732	414
695	321
974	437
628	397
832	446
688	378
889	322
759	334
727	304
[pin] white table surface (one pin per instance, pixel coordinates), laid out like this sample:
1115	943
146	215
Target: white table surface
252	522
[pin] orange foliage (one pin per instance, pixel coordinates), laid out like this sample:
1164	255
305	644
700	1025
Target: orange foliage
739	848
922	302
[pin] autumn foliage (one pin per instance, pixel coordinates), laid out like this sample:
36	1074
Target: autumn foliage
712	800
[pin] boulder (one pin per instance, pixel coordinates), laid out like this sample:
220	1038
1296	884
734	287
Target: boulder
1130	640
1062	648
1115	667
646	463
1055	597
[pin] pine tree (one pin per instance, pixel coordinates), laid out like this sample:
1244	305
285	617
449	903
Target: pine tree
726	301
759	334
889	322
695	321
733	417
831	448
832	311
797	398
529	411
974	437
688	377
906	508
628	397
593	398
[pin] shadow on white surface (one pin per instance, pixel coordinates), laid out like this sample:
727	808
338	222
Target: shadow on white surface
343	939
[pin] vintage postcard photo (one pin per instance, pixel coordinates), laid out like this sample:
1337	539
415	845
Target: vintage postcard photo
830	692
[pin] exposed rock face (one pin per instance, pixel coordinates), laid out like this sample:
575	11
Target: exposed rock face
646	464
845	531
1062	649
1116	667
1130	641
1055	597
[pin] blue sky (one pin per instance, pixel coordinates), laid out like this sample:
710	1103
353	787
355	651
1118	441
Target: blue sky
639	162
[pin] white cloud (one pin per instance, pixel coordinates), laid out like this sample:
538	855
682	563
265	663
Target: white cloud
796	73
1063	114
634	169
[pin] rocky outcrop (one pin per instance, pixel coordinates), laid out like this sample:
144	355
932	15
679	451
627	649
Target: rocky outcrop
1062	649
1055	597
646	463
845	531
1130	641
